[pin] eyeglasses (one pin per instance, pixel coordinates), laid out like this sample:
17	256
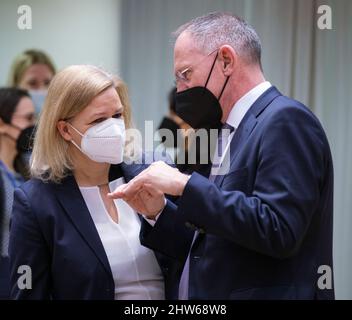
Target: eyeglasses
184	75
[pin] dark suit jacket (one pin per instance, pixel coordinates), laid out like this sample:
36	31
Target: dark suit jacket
3	260
2	207
53	233
266	226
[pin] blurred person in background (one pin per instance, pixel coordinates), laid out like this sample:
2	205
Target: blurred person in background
173	123
4	279
33	70
184	148
16	117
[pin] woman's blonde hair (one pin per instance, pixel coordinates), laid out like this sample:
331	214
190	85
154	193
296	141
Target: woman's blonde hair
70	91
26	60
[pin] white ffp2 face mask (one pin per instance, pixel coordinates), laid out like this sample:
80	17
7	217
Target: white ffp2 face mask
104	142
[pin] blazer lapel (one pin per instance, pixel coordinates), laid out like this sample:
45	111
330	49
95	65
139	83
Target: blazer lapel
247	126
241	135
73	203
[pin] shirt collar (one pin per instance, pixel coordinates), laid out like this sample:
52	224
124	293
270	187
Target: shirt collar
244	103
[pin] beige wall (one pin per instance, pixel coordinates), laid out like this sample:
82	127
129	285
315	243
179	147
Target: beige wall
70	31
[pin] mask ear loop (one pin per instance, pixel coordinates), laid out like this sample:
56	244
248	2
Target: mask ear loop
211	70
75	129
223	88
74	143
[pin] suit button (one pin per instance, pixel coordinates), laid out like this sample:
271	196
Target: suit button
190	225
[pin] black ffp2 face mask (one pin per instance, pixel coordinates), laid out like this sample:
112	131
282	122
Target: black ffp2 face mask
199	107
25	140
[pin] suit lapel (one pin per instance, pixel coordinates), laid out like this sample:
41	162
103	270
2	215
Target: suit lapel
73	203
247	126
71	200
240	137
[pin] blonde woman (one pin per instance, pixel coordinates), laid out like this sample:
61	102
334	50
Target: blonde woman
78	243
33	70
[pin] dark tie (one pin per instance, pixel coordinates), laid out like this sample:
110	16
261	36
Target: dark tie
221	144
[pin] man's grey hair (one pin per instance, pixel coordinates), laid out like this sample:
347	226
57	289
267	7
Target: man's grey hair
219	28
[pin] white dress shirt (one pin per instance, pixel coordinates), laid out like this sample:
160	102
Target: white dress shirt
241	107
234	119
135	270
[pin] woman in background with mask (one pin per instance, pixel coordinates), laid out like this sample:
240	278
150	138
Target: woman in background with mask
172	122
16	116
184	149
33	70
78	243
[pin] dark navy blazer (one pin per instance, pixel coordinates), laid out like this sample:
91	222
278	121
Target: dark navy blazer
266	226
3	260
53	233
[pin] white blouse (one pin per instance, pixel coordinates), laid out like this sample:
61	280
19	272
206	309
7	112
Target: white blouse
135	270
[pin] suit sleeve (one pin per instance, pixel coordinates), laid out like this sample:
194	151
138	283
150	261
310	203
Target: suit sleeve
27	248
274	217
169	235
